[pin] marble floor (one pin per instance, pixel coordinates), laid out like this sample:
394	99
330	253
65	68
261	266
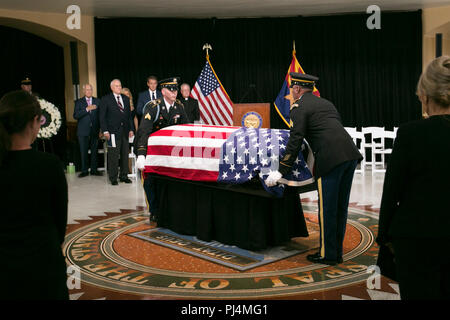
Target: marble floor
116	266
93	195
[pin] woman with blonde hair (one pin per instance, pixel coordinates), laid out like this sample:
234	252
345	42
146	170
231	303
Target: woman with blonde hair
127	92
415	207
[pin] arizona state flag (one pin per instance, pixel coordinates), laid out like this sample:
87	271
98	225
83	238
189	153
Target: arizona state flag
284	99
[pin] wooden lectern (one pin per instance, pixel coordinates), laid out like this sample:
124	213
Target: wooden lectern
254	115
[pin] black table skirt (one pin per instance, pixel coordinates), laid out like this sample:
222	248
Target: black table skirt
245	215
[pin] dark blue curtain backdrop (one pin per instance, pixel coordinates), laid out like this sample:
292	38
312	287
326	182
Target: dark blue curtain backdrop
370	75
24	54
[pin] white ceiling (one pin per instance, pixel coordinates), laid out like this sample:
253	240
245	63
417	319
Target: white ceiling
215	8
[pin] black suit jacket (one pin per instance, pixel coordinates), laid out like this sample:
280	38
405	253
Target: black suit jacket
112	119
416	197
88	122
143	98
191	109
317	120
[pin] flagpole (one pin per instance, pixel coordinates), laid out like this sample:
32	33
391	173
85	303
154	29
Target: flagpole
294	51
208	47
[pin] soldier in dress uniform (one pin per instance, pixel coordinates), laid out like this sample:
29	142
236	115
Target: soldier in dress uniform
158	114
336	157
27	85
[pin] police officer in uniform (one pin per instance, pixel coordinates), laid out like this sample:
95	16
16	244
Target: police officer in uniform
158	114
336	157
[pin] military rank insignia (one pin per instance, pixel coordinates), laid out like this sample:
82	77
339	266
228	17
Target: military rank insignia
295	105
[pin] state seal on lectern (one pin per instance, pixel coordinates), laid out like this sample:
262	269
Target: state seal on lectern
252	120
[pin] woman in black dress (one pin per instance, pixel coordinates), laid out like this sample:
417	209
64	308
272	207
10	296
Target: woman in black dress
415	206
33	207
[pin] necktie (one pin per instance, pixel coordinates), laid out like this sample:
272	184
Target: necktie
120	104
153	96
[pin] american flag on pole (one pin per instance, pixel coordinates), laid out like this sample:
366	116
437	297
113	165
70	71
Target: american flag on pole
215	105
224	154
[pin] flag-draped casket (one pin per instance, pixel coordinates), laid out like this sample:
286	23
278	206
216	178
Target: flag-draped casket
224	154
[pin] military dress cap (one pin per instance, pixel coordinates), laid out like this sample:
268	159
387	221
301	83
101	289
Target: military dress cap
26	81
303	79
170	83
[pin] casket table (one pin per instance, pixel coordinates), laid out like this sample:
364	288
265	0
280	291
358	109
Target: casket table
209	183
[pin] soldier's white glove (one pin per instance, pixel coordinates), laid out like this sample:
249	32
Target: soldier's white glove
273	178
140	163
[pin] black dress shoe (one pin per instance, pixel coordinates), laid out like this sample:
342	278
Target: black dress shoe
96	173
114	182
126	180
83	174
314	258
317	255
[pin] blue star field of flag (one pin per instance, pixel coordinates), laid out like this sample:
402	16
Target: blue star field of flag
207	80
249	152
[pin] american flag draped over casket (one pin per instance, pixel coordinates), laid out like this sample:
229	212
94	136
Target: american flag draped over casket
224	154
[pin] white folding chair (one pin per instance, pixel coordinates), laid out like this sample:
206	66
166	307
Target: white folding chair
380	149
395	130
359	140
372	144
350	130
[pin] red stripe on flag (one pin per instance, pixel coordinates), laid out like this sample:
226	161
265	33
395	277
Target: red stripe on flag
183	151
223	93
218	110
216	119
192	134
292	66
227	110
205	109
211	126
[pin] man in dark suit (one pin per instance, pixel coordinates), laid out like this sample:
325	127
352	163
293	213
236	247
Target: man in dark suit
86	112
190	104
117	126
148	95
336	156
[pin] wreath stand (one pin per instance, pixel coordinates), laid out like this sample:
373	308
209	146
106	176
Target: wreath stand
43	143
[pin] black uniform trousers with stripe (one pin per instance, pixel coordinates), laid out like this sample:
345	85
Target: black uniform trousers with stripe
334	194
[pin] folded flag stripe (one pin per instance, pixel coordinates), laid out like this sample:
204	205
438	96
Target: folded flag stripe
231	155
193	151
196	152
